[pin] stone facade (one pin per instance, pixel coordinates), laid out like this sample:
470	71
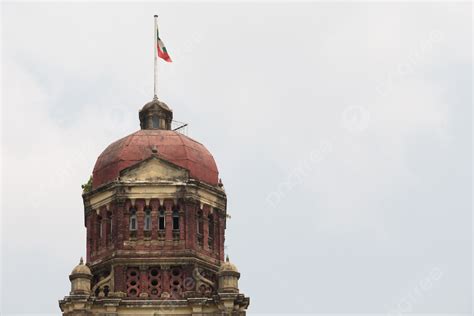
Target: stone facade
155	233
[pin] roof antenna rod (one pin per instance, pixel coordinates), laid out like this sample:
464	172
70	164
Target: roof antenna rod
155	53
180	127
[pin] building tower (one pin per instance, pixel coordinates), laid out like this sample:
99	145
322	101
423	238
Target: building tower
155	215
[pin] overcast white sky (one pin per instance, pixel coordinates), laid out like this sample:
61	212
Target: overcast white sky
342	133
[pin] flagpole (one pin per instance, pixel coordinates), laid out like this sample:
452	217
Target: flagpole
155	79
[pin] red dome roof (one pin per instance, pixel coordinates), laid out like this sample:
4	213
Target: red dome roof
172	146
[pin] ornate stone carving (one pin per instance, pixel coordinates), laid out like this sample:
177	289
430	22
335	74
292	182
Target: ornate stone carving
203	284
105	285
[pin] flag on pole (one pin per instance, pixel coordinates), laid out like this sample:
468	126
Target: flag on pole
162	52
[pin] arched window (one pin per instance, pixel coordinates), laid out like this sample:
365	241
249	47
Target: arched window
200	223
147	225
156	121
161	219
99	226
211	231
175	219
110	226
133	219
211	226
200	228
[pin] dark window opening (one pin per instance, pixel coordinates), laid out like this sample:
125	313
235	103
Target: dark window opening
175	220
147	219
99	223
156	121
161	219
200	228
133	219
211	231
211	226
110	226
200	223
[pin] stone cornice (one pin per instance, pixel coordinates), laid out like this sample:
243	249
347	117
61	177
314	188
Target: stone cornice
190	190
168	260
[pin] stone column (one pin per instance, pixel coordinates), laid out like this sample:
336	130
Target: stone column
182	224
165	270
143	282
140	206
150	120
125	229
168	220
154	205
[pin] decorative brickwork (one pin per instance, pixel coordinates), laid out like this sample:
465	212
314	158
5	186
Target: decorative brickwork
125	228
155	286
133	282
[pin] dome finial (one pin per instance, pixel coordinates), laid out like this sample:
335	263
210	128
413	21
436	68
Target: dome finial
227	258
81	261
